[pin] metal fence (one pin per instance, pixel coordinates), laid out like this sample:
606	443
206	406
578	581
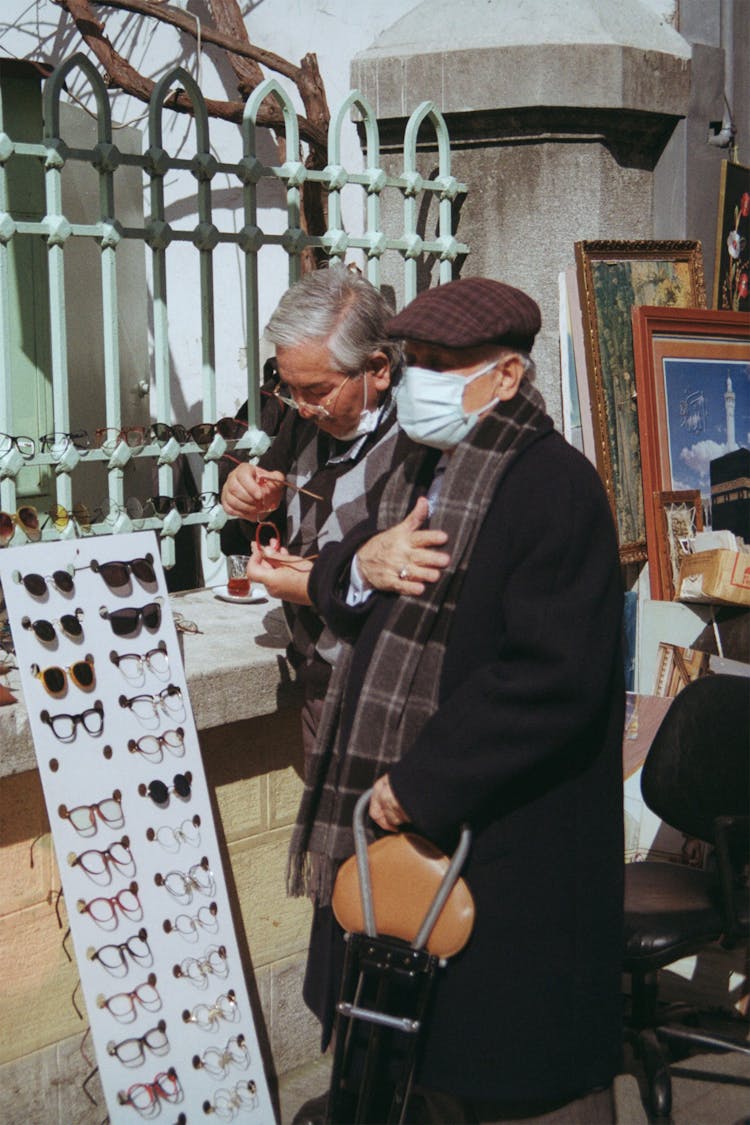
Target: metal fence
156	234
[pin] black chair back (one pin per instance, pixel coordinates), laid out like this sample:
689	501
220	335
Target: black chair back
698	766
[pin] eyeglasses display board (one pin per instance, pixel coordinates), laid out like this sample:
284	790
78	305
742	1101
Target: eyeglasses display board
133	831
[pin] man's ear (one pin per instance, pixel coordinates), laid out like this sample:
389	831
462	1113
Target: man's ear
379	367
508	376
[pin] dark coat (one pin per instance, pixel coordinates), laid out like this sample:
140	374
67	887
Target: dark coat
526	746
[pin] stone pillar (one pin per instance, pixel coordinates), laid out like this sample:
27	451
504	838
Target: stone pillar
558	115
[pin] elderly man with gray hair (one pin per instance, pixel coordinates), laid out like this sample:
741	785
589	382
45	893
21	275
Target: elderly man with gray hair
331	457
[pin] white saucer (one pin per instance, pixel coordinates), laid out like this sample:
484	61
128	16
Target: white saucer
256	594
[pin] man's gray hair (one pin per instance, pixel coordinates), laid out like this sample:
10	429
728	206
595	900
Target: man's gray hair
339	307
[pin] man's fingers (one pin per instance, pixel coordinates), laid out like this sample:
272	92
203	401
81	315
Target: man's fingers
419	513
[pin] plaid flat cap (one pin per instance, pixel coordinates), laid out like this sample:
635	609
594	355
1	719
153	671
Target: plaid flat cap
469	312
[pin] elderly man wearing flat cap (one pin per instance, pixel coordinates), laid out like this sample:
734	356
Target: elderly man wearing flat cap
481	683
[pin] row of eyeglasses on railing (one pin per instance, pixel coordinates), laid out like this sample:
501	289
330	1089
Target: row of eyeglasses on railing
65	450
110	513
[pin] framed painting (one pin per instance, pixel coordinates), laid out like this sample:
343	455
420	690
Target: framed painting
613	277
692	375
678	515
732	266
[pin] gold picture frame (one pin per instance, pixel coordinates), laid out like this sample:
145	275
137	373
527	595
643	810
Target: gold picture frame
613	277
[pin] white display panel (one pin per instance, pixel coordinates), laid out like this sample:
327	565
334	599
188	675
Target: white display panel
133	831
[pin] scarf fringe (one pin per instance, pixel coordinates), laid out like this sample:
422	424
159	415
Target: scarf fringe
311	875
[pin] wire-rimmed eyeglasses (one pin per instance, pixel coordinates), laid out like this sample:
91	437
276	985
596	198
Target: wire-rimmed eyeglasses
160	792
104	910
68	623
114	958
152	746
132	1052
172	837
98	864
134	665
143	1096
84	817
208	1017
219	1061
65	727
126	622
124	1005
183	885
145	706
227	1104
38	584
55	679
199	969
324	409
189	926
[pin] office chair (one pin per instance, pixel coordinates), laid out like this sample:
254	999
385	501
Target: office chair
696	777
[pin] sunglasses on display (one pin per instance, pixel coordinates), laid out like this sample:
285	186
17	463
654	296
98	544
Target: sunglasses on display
65	727
60	517
69	624
117	574
231	429
26	517
126	622
38	584
189	926
84	818
160	792
55	680
123	1005
114	958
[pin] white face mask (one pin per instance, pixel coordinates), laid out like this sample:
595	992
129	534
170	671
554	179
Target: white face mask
429	405
368	419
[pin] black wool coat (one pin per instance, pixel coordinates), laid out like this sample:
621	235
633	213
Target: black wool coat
525	747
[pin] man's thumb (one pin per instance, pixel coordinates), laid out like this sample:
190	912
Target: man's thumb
418	514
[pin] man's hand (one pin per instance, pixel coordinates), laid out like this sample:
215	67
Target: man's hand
250	493
403	558
384	808
285	576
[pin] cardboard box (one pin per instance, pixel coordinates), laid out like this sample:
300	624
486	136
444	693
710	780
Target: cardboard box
715	576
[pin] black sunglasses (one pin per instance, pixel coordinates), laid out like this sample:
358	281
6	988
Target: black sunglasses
36	584
69	624
125	622
159	791
117	574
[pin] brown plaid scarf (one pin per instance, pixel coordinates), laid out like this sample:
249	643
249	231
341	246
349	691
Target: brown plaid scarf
401	690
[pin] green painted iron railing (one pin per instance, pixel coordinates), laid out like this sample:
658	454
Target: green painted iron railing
157	234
